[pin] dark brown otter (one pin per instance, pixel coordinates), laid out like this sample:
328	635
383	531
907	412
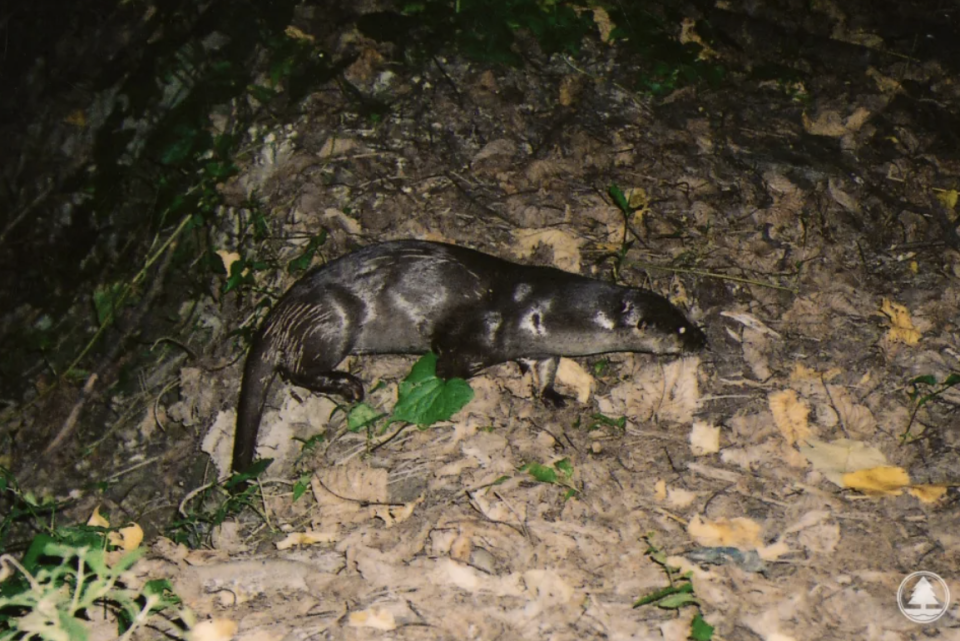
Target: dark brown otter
473	310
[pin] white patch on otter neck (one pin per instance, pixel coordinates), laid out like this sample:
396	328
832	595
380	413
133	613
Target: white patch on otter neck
604	321
533	322
521	292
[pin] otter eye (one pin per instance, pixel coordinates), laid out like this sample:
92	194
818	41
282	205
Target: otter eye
682	330
626	307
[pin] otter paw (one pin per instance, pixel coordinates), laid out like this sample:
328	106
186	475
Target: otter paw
553	398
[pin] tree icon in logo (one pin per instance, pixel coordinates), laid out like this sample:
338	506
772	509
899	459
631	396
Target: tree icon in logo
923	595
924	604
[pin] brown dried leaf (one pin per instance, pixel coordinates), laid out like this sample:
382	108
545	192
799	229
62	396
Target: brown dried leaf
790	416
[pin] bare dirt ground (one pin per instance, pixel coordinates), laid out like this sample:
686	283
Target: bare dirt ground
796	222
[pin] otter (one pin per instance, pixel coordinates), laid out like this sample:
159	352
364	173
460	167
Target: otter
472	309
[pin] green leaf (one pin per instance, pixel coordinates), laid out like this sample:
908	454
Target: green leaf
107	299
241	273
677	601
303	261
424	399
361	415
261	93
71	627
35	551
928	379
700	630
542	473
669	591
952	380
619	199
299	489
601	420
255	471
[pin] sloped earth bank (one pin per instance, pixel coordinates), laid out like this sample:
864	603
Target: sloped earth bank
789	219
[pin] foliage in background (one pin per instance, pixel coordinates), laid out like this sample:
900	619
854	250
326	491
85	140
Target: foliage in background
22	510
171	132
71	576
488	31
191	96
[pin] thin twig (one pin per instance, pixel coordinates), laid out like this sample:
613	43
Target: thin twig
700	272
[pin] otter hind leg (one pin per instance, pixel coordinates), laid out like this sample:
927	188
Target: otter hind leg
324	380
314	333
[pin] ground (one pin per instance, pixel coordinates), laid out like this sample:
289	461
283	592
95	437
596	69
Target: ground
801	223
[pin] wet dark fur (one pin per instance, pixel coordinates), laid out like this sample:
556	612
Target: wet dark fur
473	310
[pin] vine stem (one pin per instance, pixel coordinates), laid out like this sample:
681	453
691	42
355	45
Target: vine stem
136	279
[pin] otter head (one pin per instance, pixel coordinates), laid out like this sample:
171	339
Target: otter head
658	325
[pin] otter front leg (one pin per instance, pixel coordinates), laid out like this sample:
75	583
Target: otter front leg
459	364
463	344
544	374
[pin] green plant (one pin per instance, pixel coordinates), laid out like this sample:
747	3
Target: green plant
599	421
483	30
23	511
422	399
678	594
923	390
216	503
68	579
560	473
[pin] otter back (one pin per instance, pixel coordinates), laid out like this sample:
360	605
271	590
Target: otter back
472	309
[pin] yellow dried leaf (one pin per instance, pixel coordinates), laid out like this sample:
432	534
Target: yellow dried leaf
928	493
803	373
228	258
739	532
76	118
96	520
688	33
948	197
393	515
297	34
375	618
128	538
213	630
774	551
878	481
603	22
790	415
902	329
310	537
660	490
827	123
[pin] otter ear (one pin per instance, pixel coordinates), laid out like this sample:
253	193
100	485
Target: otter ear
626	307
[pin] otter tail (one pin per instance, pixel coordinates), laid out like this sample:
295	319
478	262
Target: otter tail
258	373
